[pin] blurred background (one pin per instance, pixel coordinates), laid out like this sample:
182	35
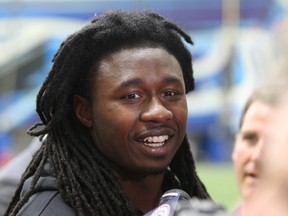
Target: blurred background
235	45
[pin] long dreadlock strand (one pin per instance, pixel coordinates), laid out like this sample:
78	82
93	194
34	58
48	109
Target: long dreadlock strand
187	174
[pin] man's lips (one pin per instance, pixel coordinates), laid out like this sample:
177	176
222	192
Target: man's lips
154	133
251	176
251	171
156	139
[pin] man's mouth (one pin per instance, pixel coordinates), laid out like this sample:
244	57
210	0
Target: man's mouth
252	176
155	141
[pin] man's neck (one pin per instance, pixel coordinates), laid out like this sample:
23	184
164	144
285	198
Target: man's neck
144	192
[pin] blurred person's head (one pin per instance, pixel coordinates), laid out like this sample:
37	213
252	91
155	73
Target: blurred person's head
249	141
270	195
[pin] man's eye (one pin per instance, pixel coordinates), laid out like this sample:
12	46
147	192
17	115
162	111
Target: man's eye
133	96
169	93
251	138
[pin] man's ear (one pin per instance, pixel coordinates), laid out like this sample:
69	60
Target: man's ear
82	110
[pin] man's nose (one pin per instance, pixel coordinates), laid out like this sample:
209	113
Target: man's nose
155	111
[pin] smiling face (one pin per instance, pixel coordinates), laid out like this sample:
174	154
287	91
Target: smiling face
248	146
137	116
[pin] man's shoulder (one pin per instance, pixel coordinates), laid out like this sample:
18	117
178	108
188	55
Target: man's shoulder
46	203
46	199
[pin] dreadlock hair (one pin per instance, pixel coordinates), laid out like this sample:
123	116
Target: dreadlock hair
84	180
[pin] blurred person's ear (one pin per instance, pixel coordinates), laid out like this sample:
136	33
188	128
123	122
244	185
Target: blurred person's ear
82	110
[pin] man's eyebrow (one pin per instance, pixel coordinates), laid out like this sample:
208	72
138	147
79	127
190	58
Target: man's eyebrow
137	81
172	79
130	82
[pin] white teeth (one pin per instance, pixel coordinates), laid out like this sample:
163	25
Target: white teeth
156	139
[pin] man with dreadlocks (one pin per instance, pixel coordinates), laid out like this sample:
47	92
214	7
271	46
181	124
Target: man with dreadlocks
113	111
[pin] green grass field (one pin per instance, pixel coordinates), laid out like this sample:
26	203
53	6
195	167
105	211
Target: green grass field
220	182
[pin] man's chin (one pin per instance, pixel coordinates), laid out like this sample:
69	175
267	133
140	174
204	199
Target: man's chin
249	191
152	171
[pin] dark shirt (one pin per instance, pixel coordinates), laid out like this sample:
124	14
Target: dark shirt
46	199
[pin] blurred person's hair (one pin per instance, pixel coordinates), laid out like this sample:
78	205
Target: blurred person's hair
267	94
